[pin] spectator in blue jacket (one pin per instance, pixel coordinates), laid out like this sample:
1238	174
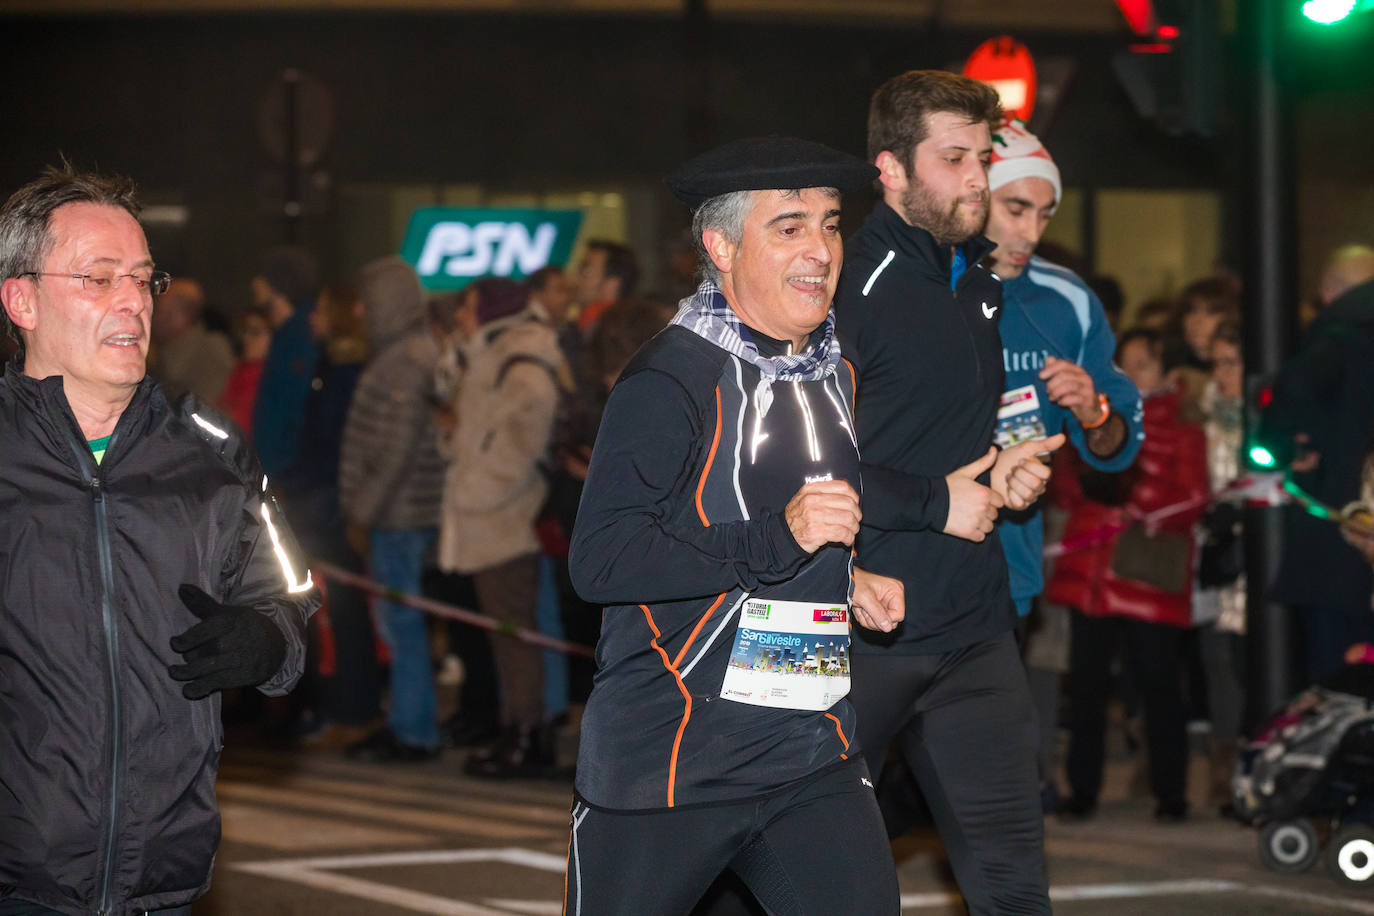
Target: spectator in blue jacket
285	285
1057	351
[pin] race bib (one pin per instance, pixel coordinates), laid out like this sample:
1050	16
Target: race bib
1019	417
789	655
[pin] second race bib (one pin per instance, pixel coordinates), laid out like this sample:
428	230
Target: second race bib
1019	417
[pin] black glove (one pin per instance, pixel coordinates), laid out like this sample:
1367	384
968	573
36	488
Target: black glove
232	646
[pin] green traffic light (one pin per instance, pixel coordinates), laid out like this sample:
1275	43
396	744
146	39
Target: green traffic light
1261	457
1328	12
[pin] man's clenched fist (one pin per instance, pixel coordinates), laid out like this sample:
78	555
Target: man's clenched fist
823	512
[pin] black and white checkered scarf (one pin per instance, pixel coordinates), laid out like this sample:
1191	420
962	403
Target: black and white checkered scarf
707	314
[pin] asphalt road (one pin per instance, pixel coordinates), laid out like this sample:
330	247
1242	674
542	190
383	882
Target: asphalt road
313	833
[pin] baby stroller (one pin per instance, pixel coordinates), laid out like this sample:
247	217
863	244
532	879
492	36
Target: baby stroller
1307	781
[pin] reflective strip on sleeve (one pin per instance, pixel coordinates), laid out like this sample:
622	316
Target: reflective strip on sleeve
293	585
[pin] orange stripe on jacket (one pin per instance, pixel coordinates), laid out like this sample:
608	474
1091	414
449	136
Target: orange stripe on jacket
710	459
853	383
697	629
567	868
839	731
687	710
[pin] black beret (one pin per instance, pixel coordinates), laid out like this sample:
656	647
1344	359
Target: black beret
765	163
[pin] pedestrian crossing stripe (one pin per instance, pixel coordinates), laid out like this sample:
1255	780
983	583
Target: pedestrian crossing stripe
322	873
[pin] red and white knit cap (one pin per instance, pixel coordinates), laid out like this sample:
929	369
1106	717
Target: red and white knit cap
1018	153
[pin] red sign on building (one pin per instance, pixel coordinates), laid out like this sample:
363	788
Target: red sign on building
1006	65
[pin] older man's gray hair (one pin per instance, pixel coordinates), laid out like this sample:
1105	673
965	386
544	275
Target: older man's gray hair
726	214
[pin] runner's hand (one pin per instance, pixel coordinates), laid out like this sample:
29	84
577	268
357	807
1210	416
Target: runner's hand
1019	477
823	512
972	506
1071	387
879	601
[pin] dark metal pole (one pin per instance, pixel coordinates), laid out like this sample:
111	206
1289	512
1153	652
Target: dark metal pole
291	203
697	28
1270	291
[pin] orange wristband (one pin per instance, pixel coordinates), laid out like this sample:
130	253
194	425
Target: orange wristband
1102	417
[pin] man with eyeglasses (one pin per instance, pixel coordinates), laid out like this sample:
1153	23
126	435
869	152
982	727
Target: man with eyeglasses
144	567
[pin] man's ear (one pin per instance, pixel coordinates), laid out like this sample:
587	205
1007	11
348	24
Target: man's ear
21	302
720	249
891	171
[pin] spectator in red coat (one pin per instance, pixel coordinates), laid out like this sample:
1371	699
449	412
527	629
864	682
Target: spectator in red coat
241	390
1130	588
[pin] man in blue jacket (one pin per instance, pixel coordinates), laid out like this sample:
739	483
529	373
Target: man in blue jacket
1056	345
1057	352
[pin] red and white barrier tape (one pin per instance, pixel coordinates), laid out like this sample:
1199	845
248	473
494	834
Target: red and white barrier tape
449	612
1254	490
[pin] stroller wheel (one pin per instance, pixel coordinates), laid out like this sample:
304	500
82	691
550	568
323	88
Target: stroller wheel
1351	855
1289	846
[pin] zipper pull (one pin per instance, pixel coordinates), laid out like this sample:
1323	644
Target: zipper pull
97	493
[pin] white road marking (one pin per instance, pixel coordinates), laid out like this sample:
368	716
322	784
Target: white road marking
1158	889
510	855
1143	889
320	873
372	890
536	907
922	901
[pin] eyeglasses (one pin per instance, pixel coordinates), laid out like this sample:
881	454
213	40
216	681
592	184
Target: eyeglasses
155	282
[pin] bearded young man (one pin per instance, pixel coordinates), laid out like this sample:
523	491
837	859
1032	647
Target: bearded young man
918	315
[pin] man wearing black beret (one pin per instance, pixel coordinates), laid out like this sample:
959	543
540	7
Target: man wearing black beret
719	507
918	316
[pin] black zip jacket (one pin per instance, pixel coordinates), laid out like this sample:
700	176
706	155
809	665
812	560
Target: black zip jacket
107	796
929	364
682	520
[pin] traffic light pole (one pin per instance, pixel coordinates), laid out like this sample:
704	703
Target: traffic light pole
1270	290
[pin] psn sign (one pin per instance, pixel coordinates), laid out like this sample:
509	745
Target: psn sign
451	246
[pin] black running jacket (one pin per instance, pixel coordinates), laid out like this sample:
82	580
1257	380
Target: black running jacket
681	527
107	795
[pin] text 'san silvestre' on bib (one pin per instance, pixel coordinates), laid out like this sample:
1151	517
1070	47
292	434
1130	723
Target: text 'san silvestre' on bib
789	655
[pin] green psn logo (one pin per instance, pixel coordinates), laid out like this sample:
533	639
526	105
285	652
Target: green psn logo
450	247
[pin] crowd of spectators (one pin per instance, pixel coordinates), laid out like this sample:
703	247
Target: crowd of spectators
438	445
435	444
1151	564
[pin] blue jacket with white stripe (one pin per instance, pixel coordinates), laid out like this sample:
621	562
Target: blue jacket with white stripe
1049	311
